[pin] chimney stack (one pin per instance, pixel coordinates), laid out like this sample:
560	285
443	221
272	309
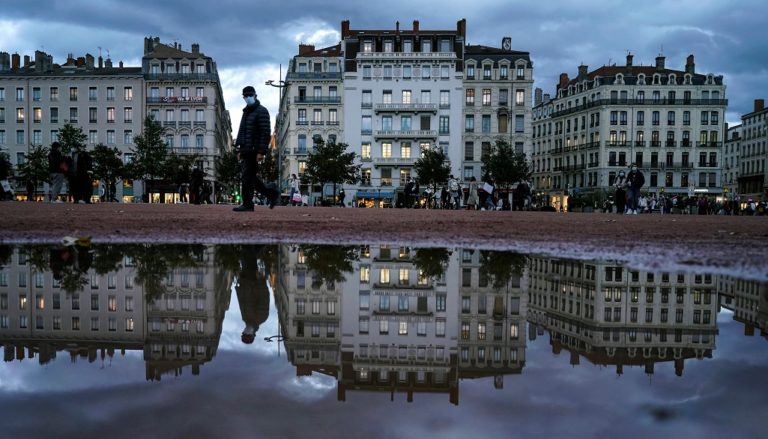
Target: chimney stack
546	98
690	66
80	62
563	81
195	48
101	62
397	26
537	96
26	62
305	49
15	59
415	25
660	62
345	29
108	63
583	72
89	61
759	104
629	60
461	28
120	64
5	61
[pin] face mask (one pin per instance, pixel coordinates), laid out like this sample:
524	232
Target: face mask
250	100
634	169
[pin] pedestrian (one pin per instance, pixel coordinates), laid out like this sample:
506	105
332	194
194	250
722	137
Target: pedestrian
635	180
454	187
196	187
253	138
293	184
490	203
252	292
57	167
407	191
620	196
342	196
83	171
472	196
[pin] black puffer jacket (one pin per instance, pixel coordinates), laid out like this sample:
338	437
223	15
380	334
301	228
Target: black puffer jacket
255	131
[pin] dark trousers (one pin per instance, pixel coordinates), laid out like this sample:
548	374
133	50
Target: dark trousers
251	179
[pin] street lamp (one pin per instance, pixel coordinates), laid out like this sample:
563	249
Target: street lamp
280	84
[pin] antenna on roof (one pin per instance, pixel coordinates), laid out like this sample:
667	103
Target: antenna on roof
99	50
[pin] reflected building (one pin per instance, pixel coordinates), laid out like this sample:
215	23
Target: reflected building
748	299
41	315
491	318
613	316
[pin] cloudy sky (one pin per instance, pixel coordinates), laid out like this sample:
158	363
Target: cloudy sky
249	39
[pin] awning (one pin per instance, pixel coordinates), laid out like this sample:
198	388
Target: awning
375	194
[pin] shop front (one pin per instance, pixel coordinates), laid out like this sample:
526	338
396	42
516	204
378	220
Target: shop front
374	198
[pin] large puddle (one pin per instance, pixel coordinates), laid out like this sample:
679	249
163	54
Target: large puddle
324	341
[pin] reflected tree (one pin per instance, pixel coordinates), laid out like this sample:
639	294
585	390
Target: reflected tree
329	262
5	254
108	258
500	266
153	262
431	262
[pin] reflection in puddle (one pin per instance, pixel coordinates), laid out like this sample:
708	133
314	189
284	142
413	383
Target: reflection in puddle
383	319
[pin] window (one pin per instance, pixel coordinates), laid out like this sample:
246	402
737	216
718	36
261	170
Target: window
486	123
445	124
519	97
469	99
486	96
469	123
519	123
426	70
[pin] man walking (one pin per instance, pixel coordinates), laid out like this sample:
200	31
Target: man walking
56	167
253	142
635	180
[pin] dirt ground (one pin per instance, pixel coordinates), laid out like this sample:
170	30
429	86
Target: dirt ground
722	244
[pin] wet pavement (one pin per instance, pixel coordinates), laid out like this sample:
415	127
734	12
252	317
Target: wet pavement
373	340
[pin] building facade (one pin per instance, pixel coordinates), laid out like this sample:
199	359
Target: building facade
179	89
754	153
731	161
668	122
498	86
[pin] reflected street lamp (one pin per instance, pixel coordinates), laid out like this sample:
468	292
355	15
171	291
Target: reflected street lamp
279	338
281	84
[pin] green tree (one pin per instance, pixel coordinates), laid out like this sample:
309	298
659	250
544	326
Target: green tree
35	166
432	168
6	168
178	168
506	166
70	137
227	171
500	266
330	163
432	262
107	166
329	262
269	167
150	154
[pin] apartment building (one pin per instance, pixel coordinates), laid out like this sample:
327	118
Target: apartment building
668	122
752	179
498	85
731	161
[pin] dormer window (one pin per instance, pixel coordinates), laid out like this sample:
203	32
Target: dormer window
656	79
367	46
389	46
641	79
504	72
521	71
672	79
470	71
407	46
619	78
487	71
710	79
688	79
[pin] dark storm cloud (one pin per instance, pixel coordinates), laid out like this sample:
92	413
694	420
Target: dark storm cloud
725	37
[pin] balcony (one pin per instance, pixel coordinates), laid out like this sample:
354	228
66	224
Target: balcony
185	124
406	56
640	143
656	143
200	124
300	151
302	122
670	143
394	161
181	77
181	150
685	143
169	124
306	76
177	100
317	100
617	143
625	102
408	134
709	144
405	108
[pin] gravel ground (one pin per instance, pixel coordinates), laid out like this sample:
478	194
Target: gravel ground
719	244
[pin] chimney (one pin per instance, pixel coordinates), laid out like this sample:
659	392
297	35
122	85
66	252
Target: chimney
15	61
345	29
759	104
461	28
690	66
583	72
195	48
108	63
563	81
5	61
305	49
629	60
147	45
537	96
415	25
26	62
39	61
70	60
80	61
546	98
120	64
659	62
89	61
101	62
397	26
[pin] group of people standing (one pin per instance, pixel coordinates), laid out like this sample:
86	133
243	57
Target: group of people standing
628	191
76	170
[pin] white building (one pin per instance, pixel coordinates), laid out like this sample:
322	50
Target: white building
669	122
731	161
753	182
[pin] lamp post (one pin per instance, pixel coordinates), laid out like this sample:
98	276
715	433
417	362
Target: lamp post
280	84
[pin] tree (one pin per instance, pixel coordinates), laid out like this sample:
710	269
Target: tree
6	167
432	168
506	166
35	167
228	171
149	154
329	163
178	168
500	266
432	262
107	167
329	262
70	137
269	167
